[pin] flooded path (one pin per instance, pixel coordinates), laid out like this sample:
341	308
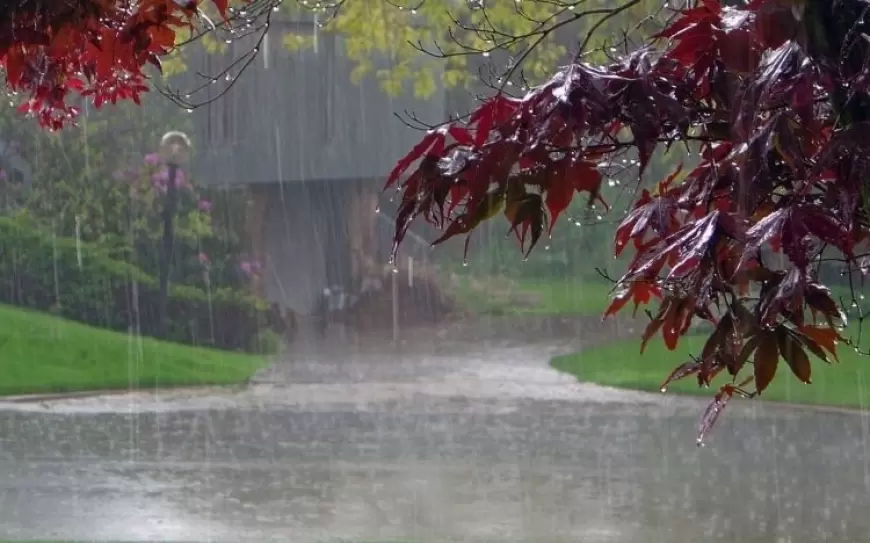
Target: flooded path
449	442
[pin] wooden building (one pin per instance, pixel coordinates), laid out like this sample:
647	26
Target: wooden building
312	149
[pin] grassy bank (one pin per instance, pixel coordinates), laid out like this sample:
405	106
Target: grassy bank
506	296
40	353
846	384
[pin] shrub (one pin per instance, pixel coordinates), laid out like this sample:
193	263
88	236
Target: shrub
124	210
84	282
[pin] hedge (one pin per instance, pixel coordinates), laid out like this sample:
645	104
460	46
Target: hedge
85	283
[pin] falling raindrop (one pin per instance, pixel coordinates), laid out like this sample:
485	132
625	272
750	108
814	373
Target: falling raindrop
79	241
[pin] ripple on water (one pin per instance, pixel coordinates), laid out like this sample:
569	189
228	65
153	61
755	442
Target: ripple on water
469	448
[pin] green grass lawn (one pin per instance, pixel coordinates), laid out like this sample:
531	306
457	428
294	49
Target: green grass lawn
504	296
507	296
40	353
846	384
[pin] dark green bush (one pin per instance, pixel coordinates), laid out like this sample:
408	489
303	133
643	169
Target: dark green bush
85	283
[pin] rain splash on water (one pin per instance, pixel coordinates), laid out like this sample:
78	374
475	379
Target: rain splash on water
412	401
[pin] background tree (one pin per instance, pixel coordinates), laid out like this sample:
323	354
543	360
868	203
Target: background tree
466	44
770	96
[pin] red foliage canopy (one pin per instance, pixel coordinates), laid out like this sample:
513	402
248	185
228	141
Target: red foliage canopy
97	48
778	113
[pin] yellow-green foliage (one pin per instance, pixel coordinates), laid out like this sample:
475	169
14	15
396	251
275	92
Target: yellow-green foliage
390	29
393	31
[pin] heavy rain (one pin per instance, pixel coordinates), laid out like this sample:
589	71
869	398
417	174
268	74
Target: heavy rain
211	334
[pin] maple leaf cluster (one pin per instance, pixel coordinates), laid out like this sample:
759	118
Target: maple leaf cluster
95	48
778	114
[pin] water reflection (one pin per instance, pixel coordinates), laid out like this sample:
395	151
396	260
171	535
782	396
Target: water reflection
370	450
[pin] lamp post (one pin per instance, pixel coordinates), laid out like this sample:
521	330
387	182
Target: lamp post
174	151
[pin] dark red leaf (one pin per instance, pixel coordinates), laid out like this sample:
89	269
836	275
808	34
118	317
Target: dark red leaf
221	6
671	325
681	372
766	360
813	346
641	292
746	350
460	225
559	196
823	336
527	215
461	135
655	324
714	409
793	354
432	143
819	300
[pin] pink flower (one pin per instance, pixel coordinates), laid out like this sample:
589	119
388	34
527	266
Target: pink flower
160	180
152	159
205	206
250	267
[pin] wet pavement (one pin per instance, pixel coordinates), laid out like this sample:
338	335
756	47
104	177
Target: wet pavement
452	441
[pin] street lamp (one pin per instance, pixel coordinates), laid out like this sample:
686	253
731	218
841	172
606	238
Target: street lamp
175	152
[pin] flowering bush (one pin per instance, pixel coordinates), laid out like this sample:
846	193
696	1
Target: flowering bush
204	256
